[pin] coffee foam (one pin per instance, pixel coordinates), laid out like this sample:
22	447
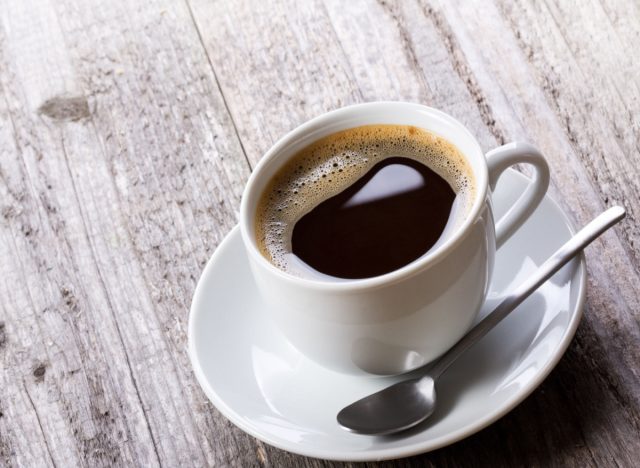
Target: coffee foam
333	163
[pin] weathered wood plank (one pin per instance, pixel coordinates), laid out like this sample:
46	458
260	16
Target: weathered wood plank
121	171
282	64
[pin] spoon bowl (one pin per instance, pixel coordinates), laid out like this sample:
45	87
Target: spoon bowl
396	408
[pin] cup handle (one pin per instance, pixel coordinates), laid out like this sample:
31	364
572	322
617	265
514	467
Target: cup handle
498	160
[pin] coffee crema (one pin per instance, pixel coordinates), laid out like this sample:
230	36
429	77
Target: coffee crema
363	202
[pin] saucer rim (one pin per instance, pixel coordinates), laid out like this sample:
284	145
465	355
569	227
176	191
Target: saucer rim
416	448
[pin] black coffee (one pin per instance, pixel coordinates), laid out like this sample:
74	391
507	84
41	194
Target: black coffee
363	202
389	217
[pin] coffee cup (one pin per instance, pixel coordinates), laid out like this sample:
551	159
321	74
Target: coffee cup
405	318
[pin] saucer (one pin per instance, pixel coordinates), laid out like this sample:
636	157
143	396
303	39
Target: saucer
269	390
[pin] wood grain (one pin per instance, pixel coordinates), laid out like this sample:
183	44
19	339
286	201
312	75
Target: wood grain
121	172
128	129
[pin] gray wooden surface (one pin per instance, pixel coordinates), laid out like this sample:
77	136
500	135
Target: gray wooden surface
128	129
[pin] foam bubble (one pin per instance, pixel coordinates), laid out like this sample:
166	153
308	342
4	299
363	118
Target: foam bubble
333	163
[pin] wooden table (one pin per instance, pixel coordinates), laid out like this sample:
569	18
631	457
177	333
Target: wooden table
128	130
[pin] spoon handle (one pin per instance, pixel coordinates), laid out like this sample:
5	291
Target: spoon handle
562	256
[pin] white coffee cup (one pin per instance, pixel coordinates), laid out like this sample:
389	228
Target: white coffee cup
404	319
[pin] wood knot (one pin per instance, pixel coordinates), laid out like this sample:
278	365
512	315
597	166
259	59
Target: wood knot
66	109
69	299
3	336
39	371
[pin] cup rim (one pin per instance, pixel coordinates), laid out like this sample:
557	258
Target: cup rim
426	261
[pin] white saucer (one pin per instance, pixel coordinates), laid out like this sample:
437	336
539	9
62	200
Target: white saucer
264	386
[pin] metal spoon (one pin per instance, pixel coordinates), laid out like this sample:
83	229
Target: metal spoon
410	402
